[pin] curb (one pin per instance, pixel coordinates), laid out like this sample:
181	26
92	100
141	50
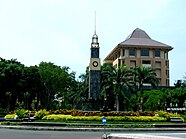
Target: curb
90	129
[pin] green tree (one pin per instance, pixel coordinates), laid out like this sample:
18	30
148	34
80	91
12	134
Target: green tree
10	77
116	79
155	100
32	84
142	76
56	83
80	95
177	96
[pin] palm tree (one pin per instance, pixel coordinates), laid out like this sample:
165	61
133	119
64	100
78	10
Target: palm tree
107	86
115	79
144	75
80	95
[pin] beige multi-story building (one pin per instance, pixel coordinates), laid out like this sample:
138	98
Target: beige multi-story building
140	50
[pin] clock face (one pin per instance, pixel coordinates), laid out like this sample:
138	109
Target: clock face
95	63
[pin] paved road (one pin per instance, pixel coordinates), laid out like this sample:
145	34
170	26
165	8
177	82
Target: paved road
30	134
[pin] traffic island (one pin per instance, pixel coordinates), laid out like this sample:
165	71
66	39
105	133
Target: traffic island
135	136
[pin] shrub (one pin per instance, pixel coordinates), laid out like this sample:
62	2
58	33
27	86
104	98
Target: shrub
88	113
174	115
163	114
22	113
10	116
61	117
41	113
184	116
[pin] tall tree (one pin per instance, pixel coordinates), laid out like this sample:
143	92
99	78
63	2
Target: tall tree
80	95
142	76
10	77
116	79
31	86
56	82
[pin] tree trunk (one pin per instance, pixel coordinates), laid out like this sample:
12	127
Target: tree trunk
117	103
141	96
141	104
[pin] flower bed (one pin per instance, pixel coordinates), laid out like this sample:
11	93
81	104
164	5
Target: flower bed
61	117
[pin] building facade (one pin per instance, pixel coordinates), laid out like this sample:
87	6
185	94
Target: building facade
140	50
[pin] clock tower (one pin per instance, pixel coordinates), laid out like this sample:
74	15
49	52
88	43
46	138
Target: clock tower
94	72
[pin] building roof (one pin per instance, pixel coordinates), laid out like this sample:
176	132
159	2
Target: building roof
140	39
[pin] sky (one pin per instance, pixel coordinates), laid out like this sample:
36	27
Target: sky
60	31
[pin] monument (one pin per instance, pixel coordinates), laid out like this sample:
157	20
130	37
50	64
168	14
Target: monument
94	73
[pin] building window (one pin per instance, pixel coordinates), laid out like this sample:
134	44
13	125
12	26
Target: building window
167	64
123	52
167	82
158	64
118	54
167	73
146	63
165	55
144	52
158	73
123	62
132	52
157	53
132	64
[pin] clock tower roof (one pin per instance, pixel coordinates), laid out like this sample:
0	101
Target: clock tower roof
95	39
95	36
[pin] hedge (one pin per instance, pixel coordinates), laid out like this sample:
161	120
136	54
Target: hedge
61	117
10	116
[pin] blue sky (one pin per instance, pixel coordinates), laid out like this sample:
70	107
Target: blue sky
60	31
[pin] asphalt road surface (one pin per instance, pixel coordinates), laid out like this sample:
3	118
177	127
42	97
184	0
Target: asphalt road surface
30	134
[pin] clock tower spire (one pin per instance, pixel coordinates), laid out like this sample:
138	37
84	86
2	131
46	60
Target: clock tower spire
94	72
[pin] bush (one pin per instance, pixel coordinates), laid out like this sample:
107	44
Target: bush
163	114
89	113
61	117
22	113
41	113
10	116
174	115
184	116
